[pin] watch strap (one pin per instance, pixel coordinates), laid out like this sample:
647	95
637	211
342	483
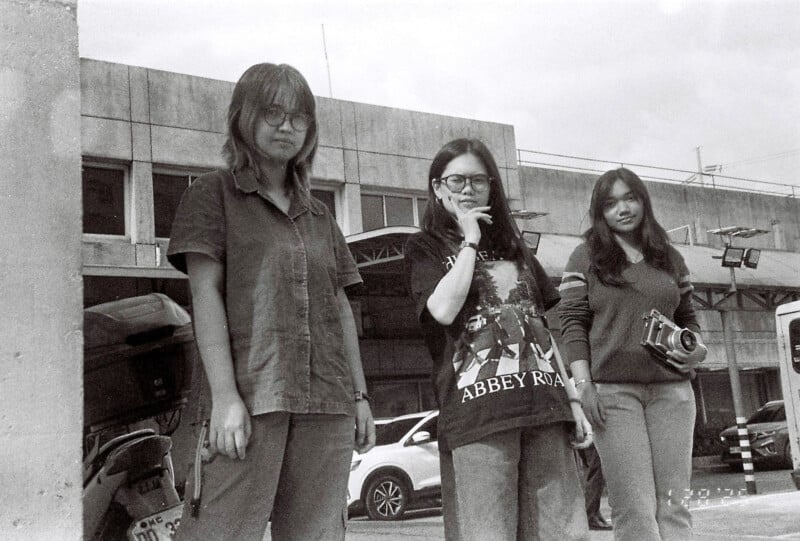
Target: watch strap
361	395
466	244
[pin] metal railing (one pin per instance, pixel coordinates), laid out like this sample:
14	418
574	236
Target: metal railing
550	160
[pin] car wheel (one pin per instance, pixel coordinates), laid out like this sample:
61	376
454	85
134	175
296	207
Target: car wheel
386	498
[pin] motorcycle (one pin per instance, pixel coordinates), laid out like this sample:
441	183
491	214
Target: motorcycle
138	364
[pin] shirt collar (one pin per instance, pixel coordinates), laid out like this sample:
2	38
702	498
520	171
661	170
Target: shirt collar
246	182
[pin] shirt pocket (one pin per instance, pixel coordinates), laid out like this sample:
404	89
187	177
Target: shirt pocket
332	363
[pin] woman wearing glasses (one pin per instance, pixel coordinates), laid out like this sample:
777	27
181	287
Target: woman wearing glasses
505	419
267	268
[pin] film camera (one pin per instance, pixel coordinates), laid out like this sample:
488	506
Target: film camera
661	336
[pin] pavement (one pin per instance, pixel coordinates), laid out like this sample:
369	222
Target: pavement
721	511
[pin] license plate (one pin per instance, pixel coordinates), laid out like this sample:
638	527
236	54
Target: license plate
157	527
736	450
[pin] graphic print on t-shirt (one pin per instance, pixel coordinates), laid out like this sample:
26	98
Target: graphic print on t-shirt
505	334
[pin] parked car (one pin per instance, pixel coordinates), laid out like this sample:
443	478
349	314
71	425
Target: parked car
402	469
769	438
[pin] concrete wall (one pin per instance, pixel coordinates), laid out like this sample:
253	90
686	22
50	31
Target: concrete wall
40	272
131	114
566	194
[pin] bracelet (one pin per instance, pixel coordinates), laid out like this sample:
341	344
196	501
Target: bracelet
466	244
584	380
576	400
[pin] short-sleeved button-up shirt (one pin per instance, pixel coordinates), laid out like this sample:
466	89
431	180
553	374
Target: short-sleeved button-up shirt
282	273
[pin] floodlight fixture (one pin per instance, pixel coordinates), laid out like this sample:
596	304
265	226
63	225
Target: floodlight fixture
751	257
525	214
733	257
531	239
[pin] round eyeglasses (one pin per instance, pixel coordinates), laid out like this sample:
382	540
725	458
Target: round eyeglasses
456	183
276	116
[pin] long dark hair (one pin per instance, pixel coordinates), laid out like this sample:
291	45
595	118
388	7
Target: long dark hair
607	257
257	88
502	236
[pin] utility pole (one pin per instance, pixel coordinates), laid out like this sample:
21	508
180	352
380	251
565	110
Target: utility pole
738	407
736	389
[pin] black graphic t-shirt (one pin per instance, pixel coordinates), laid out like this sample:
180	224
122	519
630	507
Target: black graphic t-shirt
494	368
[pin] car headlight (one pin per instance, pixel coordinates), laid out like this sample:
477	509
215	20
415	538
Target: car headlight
355	464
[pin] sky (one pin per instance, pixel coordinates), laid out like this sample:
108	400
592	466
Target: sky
633	82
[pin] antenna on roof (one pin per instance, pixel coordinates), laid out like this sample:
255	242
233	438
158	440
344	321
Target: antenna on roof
327	64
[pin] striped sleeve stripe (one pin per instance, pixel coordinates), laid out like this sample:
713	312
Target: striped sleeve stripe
685	284
571	280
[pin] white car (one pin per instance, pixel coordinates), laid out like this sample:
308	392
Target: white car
402	468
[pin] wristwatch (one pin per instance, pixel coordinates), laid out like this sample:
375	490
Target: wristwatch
465	244
361	395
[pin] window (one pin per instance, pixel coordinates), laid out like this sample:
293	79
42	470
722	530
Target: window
167	192
328	197
386	210
422	202
103	201
399	210
393	398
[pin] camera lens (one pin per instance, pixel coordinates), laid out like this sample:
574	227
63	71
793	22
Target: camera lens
688	340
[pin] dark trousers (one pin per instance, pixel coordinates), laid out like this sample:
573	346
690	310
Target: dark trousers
594	482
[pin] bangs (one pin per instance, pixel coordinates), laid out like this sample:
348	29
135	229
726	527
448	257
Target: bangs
289	90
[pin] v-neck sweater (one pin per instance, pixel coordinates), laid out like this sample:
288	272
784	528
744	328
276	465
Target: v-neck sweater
604	324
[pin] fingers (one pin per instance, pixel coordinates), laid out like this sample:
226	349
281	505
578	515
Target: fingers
240	443
213	448
595	413
231	442
365	428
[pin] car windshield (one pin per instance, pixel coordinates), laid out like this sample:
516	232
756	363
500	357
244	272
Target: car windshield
392	432
767	415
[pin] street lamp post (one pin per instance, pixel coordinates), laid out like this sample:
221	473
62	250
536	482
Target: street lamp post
733	258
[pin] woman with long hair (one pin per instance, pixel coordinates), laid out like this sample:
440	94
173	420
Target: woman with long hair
638	399
267	269
505	418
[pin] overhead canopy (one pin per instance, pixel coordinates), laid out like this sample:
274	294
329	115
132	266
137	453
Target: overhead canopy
776	269
379	245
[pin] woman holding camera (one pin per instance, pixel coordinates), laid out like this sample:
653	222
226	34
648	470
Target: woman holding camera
642	408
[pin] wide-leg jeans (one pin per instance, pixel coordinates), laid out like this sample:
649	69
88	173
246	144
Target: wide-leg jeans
646	451
519	485
296	470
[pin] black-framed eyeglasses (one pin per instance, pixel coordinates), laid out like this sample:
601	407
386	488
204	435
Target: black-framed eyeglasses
456	183
274	115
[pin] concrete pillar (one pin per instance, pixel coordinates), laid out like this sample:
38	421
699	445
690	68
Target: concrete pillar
41	345
351	205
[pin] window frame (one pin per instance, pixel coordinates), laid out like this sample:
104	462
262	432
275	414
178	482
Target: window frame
126	197
318	186
415	196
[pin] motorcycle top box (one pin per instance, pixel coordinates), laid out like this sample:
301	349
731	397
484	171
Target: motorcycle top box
138	360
